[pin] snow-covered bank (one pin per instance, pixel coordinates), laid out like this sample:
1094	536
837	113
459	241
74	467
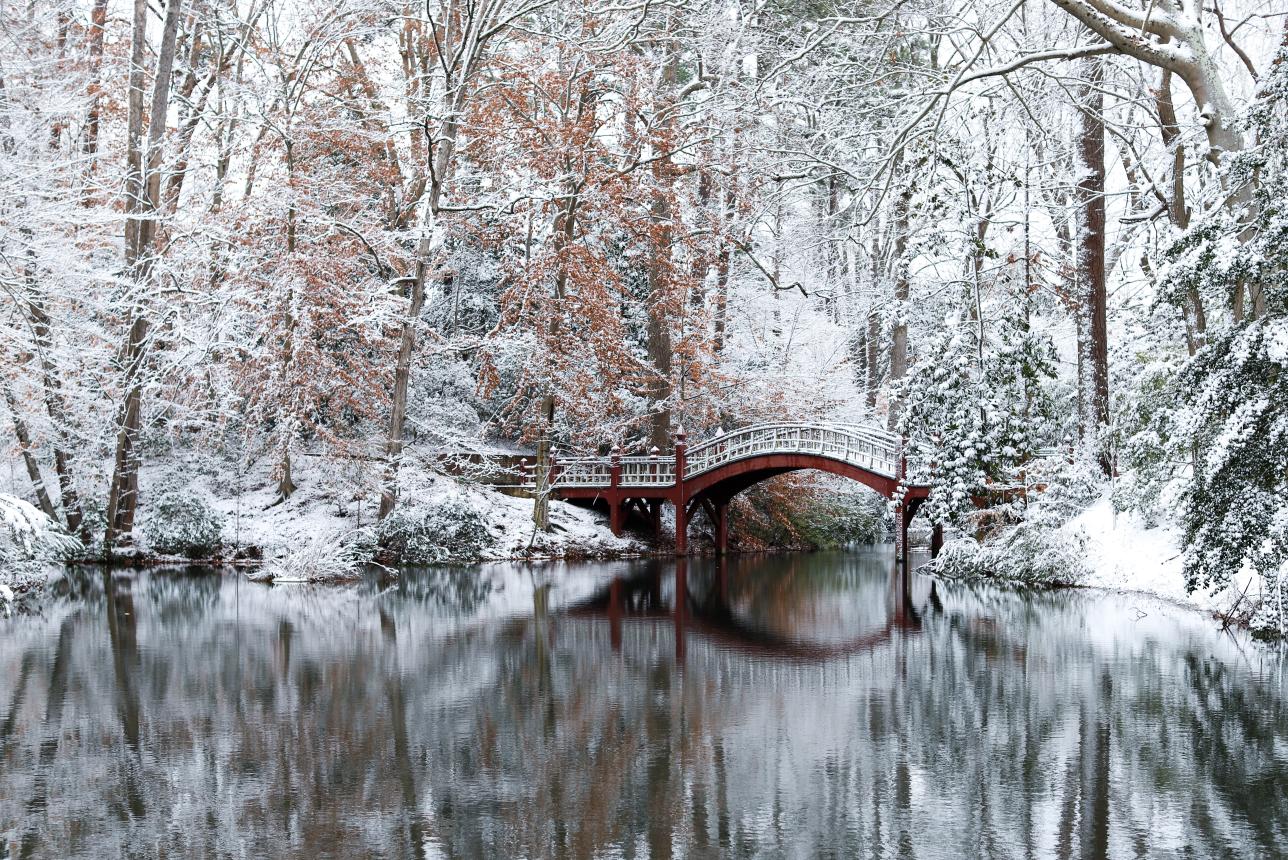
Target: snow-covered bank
325	511
1123	554
30	546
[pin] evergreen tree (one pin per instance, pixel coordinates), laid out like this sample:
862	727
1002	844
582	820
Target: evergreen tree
1235	508
978	409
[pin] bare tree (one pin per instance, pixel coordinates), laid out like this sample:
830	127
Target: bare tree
444	55
143	205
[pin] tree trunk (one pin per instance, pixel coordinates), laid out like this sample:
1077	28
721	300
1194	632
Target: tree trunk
720	314
28	457
56	408
1218	113
661	215
142	205
541	506
834	250
872	358
724	257
1177	210
97	25
1130	31
1094	344
442	149
899	331
38	318
402	376
286	485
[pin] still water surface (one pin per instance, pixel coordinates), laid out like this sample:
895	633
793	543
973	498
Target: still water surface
796	706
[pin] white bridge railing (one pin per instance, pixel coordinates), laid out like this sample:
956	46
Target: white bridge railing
866	447
647	471
872	448
582	472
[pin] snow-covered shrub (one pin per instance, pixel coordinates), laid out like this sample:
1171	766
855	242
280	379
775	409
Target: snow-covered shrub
181	523
30	543
324	557
446	400
1150	438
1029	554
94	521
448	528
975	413
1234	511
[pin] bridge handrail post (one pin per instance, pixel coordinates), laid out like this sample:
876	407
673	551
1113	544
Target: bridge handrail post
681	447
615	467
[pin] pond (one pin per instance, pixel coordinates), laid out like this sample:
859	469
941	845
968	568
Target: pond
788	706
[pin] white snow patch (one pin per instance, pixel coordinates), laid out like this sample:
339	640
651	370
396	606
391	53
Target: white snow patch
1123	554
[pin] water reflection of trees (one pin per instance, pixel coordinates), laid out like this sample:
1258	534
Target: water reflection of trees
195	720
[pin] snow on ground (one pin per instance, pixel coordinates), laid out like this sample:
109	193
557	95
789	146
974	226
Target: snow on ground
325	507
1123	554
575	531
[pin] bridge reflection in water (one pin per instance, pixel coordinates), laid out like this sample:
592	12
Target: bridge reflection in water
698	601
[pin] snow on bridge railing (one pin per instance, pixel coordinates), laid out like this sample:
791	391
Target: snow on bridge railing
582	472
866	447
652	471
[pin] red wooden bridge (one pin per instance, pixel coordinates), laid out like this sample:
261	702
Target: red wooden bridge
708	475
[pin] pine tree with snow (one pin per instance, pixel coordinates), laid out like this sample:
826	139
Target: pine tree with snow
1235	388
978	409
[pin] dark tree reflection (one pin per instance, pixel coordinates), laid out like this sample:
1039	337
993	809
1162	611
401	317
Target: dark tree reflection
795	706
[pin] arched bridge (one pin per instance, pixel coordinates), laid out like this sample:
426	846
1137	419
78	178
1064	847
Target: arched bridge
708	475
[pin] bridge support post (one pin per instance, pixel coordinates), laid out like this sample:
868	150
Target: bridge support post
680	498
903	513
936	540
681	527
616	503
722	527
901	535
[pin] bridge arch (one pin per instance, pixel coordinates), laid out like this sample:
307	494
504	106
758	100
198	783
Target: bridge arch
729	479
713	491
